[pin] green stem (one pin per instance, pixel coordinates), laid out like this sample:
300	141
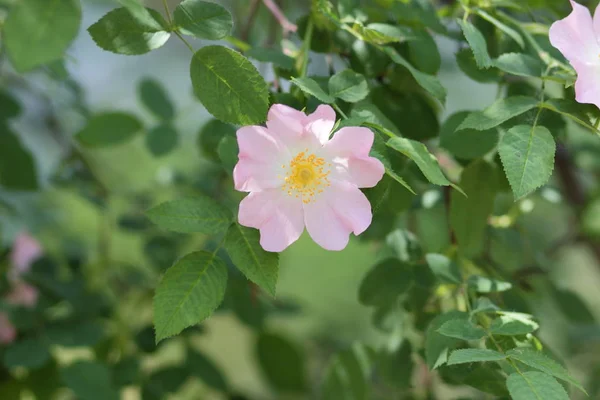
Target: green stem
339	110
184	41
168	13
306	48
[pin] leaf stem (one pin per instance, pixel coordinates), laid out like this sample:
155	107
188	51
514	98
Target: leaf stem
306	48
168	13
280	17
184	41
339	110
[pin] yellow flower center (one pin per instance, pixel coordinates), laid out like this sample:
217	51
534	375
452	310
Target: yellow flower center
306	176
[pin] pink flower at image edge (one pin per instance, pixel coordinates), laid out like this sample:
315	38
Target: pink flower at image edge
576	36
298	177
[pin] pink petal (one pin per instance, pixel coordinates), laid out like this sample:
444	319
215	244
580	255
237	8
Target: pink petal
278	216
23	294
321	122
575	37
587	86
260	158
25	251
8	333
285	122
349	150
337	212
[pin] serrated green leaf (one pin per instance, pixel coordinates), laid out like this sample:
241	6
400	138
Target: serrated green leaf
426	162
109	129
466	63
502	110
192	214
534	385
348	86
527	155
477	43
37	32
203	19
466	144
312	88
229	86
538	360
188	293
519	64
572	110
156	99
28	353
392	33
89	380
437	345
206	370
385	282
261	267
140	13
273	352
122	32
513	324
428	82
462	356
482	284
483	304
161	140
444	268
18	170
274	56
469	214
461	329
423	52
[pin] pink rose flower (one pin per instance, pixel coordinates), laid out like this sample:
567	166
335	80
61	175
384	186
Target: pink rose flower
299	177
8	333
577	37
22	294
24	252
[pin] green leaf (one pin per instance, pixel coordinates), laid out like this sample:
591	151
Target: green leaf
204	368
462	356
483	304
347	376
428	82
512	324
156	99
426	162
229	86
203	19
461	329
210	135
161	140
445	269
274	56
466	63
109	129
385	282
502	110
28	353
122	32
188	293
18	170
437	345
192	214
477	43
572	110
466	144
312	88
538	360
79	334
486	285
423	52
228	153
89	380
140	13
391	33
527	154
9	106
469	214
281	363
534	385
261	267
37	32
348	86
503	27
397	367
519	64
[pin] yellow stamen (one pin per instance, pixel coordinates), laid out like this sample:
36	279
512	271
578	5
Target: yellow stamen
306	176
